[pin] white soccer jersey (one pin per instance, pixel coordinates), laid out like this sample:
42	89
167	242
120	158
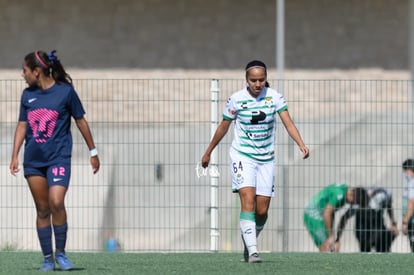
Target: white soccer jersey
408	194
255	122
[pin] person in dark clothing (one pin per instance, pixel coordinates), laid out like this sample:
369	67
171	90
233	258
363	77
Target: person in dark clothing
47	107
370	226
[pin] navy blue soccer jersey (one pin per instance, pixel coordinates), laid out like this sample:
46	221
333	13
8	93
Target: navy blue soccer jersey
48	115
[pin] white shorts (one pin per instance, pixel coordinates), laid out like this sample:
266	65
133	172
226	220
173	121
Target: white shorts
246	172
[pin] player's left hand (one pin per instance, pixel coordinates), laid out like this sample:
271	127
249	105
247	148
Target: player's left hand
95	164
305	151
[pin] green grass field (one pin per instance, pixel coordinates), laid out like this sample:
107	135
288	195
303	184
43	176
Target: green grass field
216	263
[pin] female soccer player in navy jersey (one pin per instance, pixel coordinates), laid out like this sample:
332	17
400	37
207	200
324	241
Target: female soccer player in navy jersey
254	110
46	108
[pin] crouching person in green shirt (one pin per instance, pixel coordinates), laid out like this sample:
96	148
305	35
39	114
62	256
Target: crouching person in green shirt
319	215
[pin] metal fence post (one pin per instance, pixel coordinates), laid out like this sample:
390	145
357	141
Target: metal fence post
214	227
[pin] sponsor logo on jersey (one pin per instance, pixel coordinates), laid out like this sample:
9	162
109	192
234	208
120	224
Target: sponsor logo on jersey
258	135
32	99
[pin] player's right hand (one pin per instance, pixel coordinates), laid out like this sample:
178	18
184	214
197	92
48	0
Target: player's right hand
327	245
14	167
305	151
394	230
336	247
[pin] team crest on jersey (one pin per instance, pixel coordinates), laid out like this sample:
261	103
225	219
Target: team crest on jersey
269	101
42	122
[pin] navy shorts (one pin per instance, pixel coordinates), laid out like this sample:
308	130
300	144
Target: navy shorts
58	174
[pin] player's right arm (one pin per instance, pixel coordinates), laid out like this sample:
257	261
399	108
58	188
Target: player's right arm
19	136
342	222
221	131
410	207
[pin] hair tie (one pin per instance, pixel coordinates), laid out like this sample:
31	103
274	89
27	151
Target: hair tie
52	57
44	65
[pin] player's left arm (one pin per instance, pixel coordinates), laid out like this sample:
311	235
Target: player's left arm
293	132
83	127
328	218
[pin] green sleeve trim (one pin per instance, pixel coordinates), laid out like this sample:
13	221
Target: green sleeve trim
227	118
282	109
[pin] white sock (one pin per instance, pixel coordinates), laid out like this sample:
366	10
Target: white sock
248	231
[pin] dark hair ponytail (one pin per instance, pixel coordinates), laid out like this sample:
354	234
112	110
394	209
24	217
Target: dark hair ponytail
361	197
50	65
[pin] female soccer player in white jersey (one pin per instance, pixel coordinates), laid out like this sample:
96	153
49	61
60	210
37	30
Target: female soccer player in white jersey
254	109
408	202
46	109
